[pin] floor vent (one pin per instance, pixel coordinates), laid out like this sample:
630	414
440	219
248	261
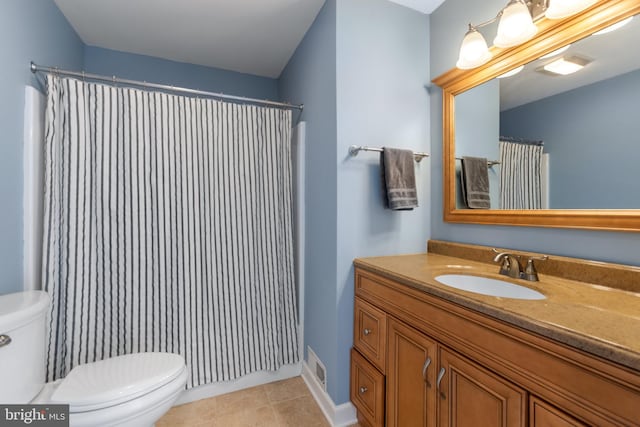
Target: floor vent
317	368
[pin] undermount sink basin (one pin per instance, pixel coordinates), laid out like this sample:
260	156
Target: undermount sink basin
488	286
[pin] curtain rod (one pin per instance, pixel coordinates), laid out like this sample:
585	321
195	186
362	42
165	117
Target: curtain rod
52	70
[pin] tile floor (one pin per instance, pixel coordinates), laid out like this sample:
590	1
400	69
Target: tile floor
286	403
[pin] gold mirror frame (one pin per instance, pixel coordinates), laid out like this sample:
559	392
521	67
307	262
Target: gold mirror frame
552	35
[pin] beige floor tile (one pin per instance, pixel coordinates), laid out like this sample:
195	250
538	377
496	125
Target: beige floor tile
238	401
286	389
189	414
301	411
285	403
251	417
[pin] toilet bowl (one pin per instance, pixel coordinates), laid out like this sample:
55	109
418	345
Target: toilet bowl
129	390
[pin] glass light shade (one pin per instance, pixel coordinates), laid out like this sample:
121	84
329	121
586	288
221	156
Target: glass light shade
559	9
556	52
474	51
614	27
516	25
512	72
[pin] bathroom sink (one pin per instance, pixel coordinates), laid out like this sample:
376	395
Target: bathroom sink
488	286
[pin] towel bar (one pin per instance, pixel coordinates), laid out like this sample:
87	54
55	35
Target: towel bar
489	162
355	149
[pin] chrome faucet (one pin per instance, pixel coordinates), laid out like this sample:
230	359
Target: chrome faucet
510	264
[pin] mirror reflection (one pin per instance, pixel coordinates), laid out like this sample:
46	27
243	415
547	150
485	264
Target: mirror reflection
563	132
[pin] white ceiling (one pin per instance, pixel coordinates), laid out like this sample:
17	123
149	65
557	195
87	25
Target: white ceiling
249	36
611	55
424	6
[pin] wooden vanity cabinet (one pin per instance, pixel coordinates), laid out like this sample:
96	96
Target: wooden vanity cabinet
445	365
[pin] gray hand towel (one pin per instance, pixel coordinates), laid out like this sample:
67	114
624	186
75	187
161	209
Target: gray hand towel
399	179
474	176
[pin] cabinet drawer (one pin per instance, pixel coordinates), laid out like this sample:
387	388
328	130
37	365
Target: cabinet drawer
367	390
370	333
541	414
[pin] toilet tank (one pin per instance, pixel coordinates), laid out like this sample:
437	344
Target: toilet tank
22	345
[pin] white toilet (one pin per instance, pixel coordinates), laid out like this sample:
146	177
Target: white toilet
130	390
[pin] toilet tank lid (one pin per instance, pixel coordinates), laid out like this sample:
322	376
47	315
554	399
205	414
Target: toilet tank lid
116	380
20	308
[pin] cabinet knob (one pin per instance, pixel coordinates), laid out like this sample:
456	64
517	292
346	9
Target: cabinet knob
367	331
363	390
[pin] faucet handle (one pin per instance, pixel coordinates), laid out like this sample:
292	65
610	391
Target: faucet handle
530	272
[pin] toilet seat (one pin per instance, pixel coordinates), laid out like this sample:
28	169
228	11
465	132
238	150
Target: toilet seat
117	380
142	411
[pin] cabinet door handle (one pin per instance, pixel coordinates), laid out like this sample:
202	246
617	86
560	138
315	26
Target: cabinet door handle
440	376
366	331
363	390
5	340
424	371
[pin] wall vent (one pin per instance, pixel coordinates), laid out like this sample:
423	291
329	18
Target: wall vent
317	368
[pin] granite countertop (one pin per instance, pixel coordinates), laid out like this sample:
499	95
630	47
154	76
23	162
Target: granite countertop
599	320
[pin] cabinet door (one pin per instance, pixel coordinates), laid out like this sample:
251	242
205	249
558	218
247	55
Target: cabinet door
411	399
541	414
471	396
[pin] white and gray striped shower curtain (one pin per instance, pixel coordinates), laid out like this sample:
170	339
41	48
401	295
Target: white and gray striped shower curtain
520	175
167	227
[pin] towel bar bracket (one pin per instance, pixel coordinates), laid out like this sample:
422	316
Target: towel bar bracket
355	149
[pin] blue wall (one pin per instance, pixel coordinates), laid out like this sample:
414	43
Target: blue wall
448	25
29	31
310	79
157	70
382	75
337	71
593	146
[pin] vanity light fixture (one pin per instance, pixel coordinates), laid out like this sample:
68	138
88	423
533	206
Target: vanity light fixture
512	72
565	66
614	27
515	27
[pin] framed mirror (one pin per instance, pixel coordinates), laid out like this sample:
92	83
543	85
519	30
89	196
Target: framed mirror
582	130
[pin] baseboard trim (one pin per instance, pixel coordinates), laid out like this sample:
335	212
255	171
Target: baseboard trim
257	378
338	416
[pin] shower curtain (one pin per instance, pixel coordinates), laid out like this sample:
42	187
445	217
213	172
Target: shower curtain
520	175
167	227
